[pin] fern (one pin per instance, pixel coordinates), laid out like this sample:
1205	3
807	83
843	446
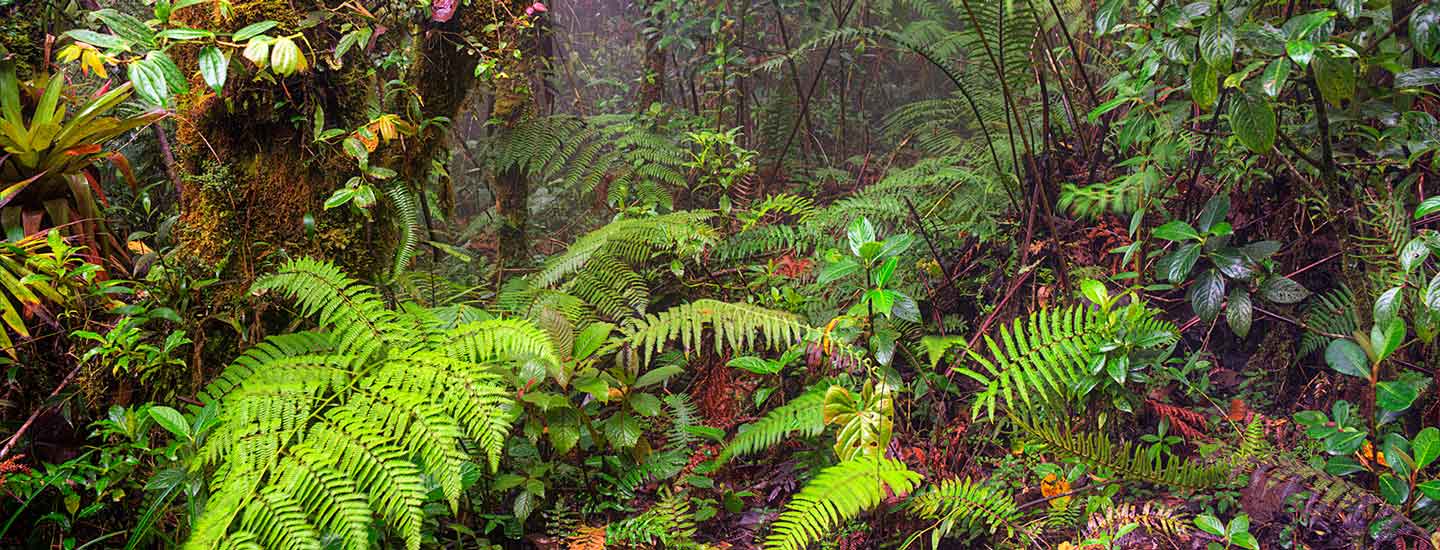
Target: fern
737	327
1331	312
837	494
1126	460
1154	517
323	433
583	153
803	416
956	506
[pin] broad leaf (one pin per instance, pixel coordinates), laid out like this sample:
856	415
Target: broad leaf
1204	85
1335	76
1395	395
171	420
1346	357
213	67
1282	290
1426	447
1207	294
1177	230
1239	311
1253	120
1425	30
1272	81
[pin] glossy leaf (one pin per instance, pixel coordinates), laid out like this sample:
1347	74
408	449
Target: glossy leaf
213	67
1347	357
1253	120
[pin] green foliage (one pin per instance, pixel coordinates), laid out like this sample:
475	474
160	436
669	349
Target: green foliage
736	327
637	164
1126	460
838	493
803	416
326	432
958	507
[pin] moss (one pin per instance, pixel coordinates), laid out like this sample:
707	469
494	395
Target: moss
22	36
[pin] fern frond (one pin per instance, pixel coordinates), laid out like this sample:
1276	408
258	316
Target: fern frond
1126	460
967	506
803	416
353	313
737	327
837	494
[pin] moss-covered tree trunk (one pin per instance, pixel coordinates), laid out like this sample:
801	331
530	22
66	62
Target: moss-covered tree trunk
257	179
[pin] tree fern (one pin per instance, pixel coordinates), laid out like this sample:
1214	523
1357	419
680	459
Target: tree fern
322	434
837	494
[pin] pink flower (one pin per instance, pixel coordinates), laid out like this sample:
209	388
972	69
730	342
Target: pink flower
536	8
442	10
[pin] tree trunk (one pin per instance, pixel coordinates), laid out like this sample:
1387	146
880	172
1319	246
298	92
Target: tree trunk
257	179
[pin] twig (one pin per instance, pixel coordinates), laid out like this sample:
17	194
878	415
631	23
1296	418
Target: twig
15	437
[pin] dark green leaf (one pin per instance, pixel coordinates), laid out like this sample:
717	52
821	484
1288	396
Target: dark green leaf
658	375
1282	290
1426	447
1217	40
1387	306
252	30
1418	78
1335	76
1272	81
171	420
1395	395
1239	311
1425	30
1253	120
1207	294
1394	490
149	82
1300	51
1427	207
1214	213
1108	15
1347	357
100	40
1177	230
128	27
1177	265
1204	85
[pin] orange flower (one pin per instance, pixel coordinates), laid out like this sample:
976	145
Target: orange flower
1053	486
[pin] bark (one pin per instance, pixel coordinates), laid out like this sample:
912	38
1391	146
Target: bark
256	180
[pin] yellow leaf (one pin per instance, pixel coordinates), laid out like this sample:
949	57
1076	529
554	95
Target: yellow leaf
1053	486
